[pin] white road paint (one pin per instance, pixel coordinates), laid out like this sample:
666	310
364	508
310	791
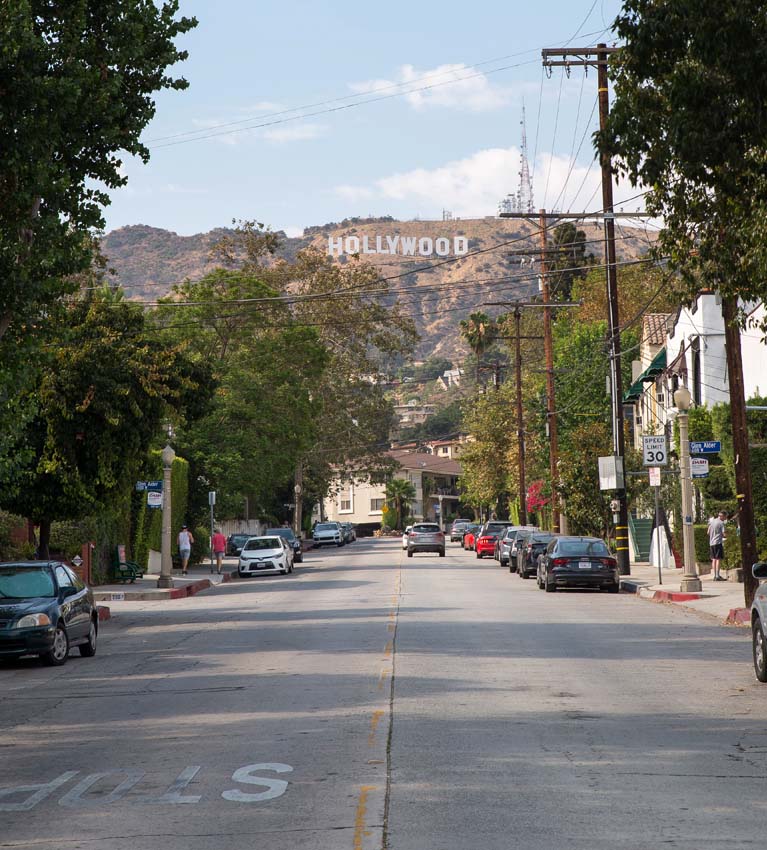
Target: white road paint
78	796
277	787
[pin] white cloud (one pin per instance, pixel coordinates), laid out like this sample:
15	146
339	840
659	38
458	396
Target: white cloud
453	86
294	132
474	185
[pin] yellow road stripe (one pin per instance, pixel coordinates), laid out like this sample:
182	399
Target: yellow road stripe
359	820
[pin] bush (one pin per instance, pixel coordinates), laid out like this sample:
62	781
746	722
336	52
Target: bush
702	549
12	548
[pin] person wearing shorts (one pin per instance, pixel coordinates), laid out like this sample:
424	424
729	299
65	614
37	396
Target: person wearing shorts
185	541
716	543
218	544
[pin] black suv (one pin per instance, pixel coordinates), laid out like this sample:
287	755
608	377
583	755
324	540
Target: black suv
287	534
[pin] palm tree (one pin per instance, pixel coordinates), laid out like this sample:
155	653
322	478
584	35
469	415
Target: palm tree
399	494
479	330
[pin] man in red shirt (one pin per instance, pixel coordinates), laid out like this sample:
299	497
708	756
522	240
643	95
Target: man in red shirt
218	544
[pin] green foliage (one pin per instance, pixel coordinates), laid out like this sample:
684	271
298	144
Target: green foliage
702	547
443	423
388	518
587	508
570	261
399	494
78	82
151	524
479	331
11	549
690	84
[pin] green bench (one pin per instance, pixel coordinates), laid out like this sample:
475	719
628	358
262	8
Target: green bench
126	570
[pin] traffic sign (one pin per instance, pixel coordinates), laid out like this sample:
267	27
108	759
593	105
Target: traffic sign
77	561
654	450
699	467
654	476
211	497
153	499
705	447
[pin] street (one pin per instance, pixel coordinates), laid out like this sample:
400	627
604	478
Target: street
375	701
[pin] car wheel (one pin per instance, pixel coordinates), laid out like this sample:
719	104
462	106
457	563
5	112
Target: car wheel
549	586
88	649
340	544
442	553
614	588
478	555
300	558
539	582
60	649
409	553
759	643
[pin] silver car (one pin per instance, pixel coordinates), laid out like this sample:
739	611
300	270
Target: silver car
426	537
759	622
328	533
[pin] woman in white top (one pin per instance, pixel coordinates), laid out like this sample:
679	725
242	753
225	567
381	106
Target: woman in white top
185	541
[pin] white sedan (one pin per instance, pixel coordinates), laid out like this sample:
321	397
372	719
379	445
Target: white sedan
404	536
265	555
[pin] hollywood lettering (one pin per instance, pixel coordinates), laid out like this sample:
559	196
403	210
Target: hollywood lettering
405	246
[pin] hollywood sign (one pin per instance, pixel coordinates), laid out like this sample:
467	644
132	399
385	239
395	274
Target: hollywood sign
405	246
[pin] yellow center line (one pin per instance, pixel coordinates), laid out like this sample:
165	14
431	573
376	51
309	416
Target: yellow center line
359	820
374	721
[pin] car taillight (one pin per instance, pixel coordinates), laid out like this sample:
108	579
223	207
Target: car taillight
608	562
559	562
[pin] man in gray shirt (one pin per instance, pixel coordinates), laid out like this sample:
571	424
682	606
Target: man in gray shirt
716	543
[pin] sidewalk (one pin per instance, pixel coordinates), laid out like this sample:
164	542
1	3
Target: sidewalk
721	599
145	589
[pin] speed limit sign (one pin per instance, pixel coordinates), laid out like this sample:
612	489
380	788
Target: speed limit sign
654	450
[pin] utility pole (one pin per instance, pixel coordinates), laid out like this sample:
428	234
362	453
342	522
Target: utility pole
520	421
298	491
740	445
551	410
590	57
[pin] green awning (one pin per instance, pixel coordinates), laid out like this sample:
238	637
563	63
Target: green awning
655	368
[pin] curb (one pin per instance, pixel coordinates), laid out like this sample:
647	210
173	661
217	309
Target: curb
104	613
157	595
739	617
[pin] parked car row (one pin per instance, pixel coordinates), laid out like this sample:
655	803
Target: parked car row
333	534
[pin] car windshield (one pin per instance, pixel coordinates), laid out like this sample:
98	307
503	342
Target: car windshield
597	548
326	526
541	538
263	543
425	529
26	582
287	533
239	538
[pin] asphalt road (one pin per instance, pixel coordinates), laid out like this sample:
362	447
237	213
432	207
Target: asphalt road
375	701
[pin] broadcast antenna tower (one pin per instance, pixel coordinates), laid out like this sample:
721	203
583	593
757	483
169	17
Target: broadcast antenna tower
522	201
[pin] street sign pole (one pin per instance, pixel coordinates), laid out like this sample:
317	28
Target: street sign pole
656	534
212	503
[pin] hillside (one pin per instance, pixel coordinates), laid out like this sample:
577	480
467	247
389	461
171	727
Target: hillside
469	263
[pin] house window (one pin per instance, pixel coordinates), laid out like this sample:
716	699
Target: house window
444	450
377	504
346	504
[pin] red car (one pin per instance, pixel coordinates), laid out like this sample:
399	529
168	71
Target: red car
469	536
485	544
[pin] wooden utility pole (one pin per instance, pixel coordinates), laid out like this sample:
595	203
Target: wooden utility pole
520	422
571	57
740	445
551	410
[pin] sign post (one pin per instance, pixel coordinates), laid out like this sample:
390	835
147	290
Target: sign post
212	503
655	455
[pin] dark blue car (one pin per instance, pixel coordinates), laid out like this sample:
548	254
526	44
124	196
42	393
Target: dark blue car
45	609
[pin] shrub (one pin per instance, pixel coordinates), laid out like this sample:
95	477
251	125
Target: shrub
702	550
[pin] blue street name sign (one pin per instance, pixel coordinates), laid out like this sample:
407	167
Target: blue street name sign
152	486
705	447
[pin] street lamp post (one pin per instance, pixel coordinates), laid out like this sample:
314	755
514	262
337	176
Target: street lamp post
166	563
690	580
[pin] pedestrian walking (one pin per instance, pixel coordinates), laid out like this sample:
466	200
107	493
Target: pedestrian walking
218	545
716	532
185	541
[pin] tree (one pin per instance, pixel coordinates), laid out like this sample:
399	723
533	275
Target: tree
101	395
76	86
399	494
570	260
688	123
479	331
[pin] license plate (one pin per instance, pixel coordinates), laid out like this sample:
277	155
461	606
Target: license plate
584	565
264	565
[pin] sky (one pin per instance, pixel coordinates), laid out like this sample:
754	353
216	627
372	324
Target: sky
301	113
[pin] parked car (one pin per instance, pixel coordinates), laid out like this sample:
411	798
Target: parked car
328	533
45	609
485	540
457	529
534	545
578	562
235	542
504	546
520	544
759	622
348	532
469	536
295	542
404	536
426	537
267	554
